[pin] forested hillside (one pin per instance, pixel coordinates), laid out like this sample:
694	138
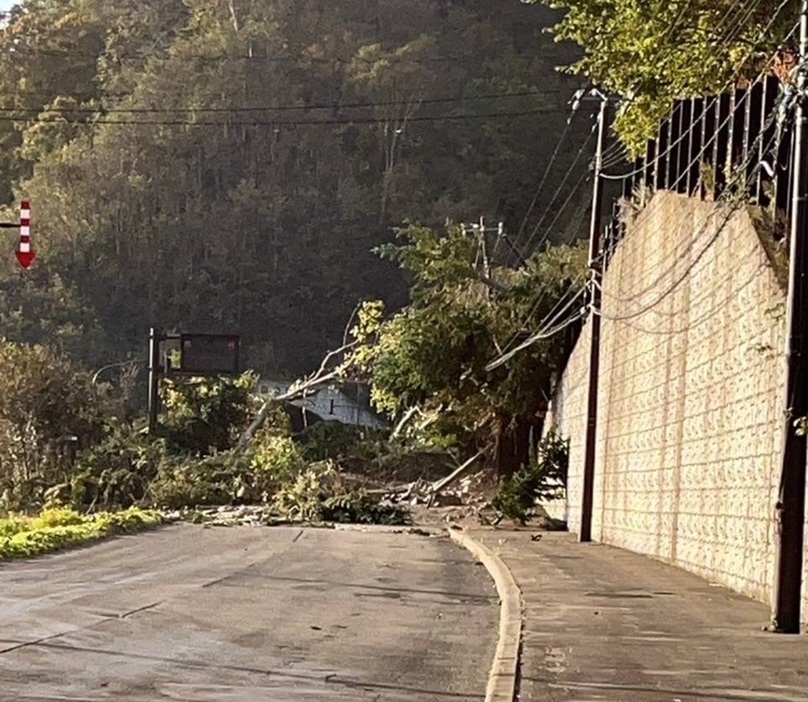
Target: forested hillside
228	165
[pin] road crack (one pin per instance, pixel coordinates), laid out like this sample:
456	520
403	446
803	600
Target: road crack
145	608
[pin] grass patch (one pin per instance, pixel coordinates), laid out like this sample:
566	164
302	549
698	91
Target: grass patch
58	529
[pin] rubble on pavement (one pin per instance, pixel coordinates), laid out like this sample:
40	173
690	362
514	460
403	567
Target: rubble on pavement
467	502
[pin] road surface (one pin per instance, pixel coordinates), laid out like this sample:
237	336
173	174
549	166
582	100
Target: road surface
248	615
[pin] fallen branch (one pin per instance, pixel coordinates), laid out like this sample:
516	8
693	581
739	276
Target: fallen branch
297	390
443	483
411	412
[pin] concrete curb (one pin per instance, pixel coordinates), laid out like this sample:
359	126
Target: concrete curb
505	668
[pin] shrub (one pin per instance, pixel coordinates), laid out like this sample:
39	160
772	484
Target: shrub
277	460
215	480
302	498
228	477
544	478
203	416
44	400
114	473
56	529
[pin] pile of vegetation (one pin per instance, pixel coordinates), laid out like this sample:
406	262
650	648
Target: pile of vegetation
56	529
374	455
65	441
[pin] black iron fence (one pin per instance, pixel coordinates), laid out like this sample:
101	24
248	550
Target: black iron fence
738	142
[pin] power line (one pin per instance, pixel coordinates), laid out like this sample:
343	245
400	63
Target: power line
546	331
702	253
560	187
26	51
612	151
584	178
543	179
554	313
734	26
273	108
697	158
299	122
685	171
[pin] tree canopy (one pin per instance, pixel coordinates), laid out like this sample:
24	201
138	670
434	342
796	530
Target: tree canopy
651	52
435	354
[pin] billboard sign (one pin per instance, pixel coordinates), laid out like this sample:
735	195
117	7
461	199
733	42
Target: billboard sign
209	354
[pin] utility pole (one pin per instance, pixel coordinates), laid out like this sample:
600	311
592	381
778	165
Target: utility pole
154	377
483	260
596	276
484	249
791	503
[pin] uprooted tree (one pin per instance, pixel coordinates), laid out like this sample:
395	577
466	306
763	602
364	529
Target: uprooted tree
428	364
436	353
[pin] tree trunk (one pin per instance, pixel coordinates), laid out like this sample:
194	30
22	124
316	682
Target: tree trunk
516	438
506	459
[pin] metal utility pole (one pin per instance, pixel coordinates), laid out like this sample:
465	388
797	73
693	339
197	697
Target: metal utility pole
596	276
154	377
791	503
483	259
484	249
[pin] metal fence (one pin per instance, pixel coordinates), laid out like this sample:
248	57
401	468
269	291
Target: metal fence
737	143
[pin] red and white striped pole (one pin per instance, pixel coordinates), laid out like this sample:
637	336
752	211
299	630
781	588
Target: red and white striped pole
25	252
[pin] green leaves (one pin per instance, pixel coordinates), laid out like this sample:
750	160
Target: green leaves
652	52
434	352
544	478
57	529
203	416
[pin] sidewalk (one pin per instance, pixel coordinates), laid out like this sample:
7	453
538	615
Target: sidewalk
607	625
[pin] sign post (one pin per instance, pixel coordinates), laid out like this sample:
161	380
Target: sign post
154	377
201	355
25	251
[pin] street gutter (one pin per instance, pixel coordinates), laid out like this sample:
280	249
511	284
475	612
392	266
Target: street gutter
502	680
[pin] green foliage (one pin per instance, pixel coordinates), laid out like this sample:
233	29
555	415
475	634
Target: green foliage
57	517
318	494
58	529
543	478
275	460
194	464
361	508
45	399
434	353
228	477
652	52
220	479
115	472
302	499
204	415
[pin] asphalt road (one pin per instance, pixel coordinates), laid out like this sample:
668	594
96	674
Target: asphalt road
248	615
